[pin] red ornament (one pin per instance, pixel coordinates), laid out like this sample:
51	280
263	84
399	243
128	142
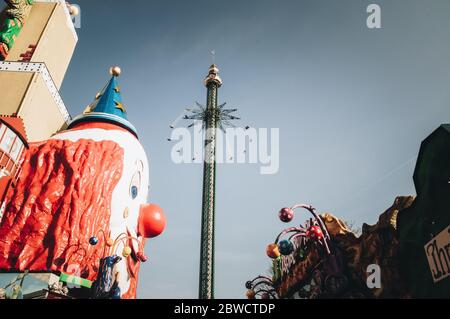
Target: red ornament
142	257
286	215
151	221
315	232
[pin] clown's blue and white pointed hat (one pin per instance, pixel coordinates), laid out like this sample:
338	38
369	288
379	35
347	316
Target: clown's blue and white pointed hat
107	106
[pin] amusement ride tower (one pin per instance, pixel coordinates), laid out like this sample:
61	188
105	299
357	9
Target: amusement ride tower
213	117
206	287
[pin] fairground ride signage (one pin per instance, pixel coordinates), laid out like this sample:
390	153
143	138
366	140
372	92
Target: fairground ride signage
438	254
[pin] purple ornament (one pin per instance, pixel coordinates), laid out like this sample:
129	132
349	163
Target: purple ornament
286	215
265	296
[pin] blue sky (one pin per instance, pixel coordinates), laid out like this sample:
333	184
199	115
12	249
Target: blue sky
352	106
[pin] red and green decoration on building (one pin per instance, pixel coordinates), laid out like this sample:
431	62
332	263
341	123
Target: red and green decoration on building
307	262
16	13
311	240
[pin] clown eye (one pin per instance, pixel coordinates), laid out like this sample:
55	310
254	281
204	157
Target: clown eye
134	192
135	185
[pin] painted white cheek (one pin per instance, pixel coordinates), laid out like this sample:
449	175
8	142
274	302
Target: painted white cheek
124	282
133	206
141	199
122	200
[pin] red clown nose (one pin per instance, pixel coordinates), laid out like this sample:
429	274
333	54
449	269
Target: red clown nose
152	221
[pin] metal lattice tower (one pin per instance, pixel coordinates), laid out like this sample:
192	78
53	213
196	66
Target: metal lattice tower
213	117
206	284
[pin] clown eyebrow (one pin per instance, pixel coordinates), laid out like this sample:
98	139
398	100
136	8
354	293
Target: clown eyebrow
140	165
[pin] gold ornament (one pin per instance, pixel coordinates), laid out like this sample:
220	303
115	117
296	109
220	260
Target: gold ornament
74	11
115	71
126	252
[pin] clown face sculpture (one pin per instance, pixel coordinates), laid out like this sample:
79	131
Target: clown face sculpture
82	197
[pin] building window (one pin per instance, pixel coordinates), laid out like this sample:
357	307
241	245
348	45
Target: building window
7	141
16	150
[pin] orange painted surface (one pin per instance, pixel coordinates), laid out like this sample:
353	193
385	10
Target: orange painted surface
62	199
5	183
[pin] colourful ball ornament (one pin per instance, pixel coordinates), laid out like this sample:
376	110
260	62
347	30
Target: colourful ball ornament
315	232
250	294
93	241
115	71
74	11
151	221
126	252
286	247
265	296
286	215
272	251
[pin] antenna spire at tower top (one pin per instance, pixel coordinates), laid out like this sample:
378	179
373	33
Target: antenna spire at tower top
213	56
